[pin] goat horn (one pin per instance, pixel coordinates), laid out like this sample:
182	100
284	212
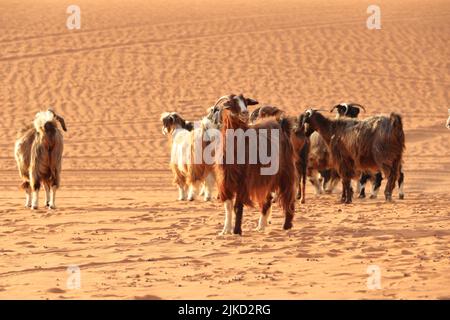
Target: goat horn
220	100
358	105
332	109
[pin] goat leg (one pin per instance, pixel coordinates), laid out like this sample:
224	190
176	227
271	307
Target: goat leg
376	184
266	211
238	211
227	226
47	194
391	173
288	209
401	178
362	184
347	191
344	192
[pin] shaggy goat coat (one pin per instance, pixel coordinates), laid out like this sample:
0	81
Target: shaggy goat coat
38	153
376	143
246	184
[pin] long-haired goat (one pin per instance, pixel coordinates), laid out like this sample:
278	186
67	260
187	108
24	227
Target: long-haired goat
299	141
373	144
38	153
187	171
246	181
351	110
319	156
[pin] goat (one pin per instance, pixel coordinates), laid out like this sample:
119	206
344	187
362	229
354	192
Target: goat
188	174
246	182
376	143
319	155
352	110
298	139
38	153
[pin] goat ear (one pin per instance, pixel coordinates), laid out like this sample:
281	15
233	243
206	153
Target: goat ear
251	102
62	122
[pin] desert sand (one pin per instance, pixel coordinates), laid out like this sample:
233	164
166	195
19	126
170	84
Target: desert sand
118	219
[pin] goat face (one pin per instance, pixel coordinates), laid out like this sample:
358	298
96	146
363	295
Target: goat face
310	120
214	114
303	126
306	116
239	105
45	122
172	121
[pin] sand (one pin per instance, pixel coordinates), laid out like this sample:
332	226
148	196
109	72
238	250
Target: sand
117	217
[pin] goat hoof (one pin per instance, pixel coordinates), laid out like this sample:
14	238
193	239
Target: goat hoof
225	232
302	201
207	199
288	225
260	229
34	207
401	196
238	231
51	207
191	199
373	196
362	196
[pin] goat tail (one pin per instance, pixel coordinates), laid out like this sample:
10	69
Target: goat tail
287	175
397	127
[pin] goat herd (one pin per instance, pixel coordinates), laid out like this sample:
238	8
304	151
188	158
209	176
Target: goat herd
309	146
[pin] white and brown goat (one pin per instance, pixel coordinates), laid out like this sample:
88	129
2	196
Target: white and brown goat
38	153
249	182
189	171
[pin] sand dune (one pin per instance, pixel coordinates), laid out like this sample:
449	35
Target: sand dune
118	219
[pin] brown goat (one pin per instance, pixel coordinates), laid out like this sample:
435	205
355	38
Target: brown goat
245	182
38	153
376	143
298	139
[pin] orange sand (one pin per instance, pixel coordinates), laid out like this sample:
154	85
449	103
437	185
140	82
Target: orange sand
118	219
